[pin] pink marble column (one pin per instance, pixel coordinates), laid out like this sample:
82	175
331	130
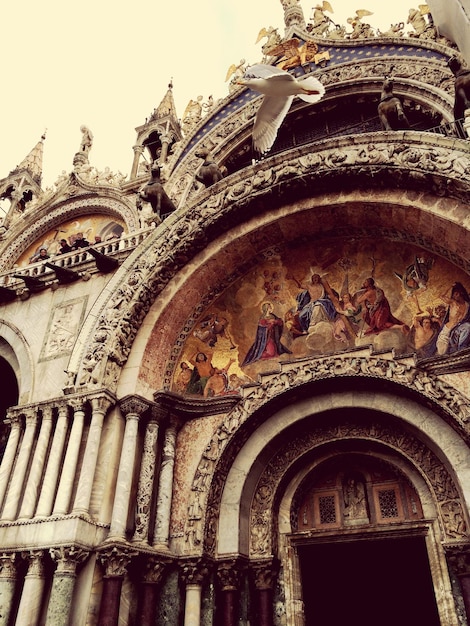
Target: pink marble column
265	573
228	576
115	562
154	568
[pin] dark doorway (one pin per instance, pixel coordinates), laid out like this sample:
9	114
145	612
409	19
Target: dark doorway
386	582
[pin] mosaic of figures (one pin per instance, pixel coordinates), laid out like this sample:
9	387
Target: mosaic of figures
70	235
306	300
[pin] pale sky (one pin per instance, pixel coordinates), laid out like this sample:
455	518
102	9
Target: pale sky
107	64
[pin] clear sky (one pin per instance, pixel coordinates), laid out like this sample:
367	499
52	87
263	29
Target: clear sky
107	64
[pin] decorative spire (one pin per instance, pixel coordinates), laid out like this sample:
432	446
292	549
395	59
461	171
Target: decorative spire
293	14
32	163
166	107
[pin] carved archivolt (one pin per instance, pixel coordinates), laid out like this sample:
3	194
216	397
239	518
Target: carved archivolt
211	473
434	89
445	493
118	316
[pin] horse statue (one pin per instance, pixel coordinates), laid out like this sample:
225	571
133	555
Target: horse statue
390	108
155	194
462	89
209	172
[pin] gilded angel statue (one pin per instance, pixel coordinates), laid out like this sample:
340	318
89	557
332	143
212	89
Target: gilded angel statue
274	38
360	30
234	72
320	23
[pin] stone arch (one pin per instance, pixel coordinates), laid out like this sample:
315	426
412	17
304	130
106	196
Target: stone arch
85	205
15	351
301	176
232	463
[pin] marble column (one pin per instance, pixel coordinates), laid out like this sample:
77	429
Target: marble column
99	407
49	483
7	585
115	561
67	477
138	151
15	490
459	560
31	596
146	481
165	487
228	576
132	407
60	600
193	574
265	573
31	492
154	569
165	139
10	453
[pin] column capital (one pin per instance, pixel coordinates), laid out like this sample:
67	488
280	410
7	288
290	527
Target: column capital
229	573
458	556
116	559
134	404
154	568
36	563
194	571
264	573
8	565
67	559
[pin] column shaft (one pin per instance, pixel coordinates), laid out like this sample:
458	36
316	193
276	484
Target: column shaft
146	484
31	597
49	483
7	586
30	497
64	492
90	458
124	479
165	489
9	456
192	609
16	485
110	600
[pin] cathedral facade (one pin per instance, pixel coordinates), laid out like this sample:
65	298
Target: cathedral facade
236	387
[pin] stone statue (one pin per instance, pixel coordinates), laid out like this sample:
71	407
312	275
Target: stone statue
87	139
462	88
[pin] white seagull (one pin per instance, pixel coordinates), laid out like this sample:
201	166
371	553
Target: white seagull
279	89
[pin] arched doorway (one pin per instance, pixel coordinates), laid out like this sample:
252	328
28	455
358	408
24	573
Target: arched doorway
379	581
365	560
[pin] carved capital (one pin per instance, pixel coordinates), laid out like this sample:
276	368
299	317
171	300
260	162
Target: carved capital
134	405
458	556
67	559
229	574
154	568
35	560
8	565
265	573
115	560
195	571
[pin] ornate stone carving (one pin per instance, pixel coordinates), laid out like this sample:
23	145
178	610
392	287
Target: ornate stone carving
115	560
8	565
67	559
194	571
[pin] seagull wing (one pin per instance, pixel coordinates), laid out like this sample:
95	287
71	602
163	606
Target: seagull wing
268	119
266	71
310	82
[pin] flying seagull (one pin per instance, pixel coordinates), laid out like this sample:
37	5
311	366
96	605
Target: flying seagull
279	89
